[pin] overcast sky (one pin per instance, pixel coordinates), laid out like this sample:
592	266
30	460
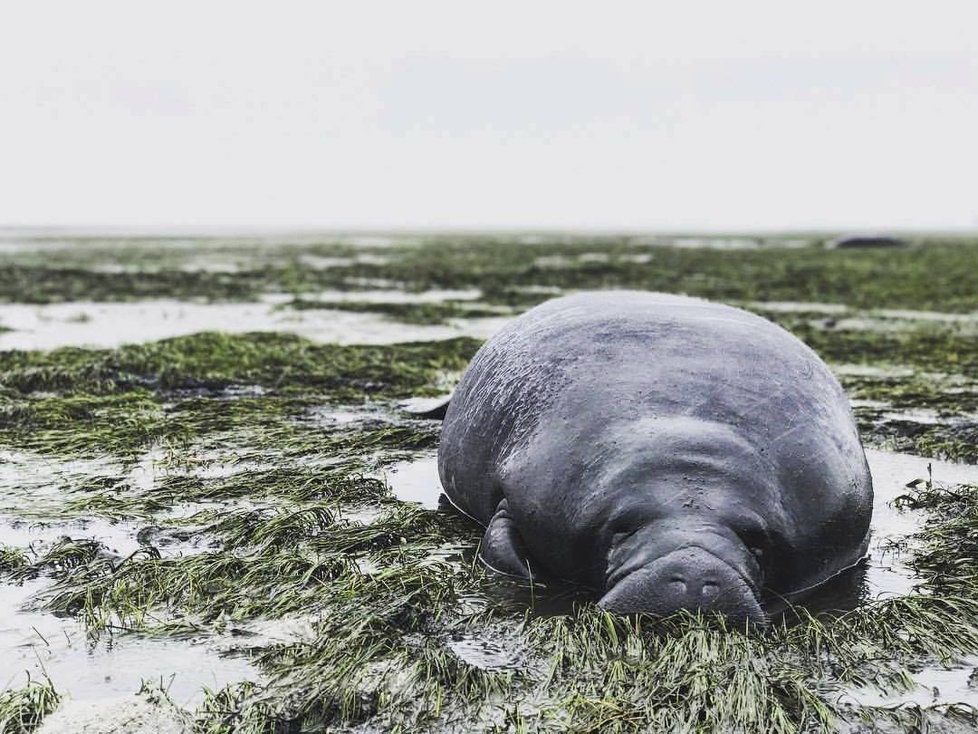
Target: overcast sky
683	115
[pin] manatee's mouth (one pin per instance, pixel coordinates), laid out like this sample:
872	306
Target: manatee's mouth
690	577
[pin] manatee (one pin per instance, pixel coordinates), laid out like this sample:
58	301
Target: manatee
665	451
865	242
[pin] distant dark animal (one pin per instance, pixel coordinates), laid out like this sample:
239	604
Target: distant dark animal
864	242
666	451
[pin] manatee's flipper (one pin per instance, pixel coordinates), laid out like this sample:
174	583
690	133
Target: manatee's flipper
433	408
502	546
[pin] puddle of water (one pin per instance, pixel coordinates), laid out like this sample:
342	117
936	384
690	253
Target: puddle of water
865	323
480	328
121	538
869	370
799	307
333	418
886	573
266	632
35	488
416	480
553	261
877	319
362	515
32	485
147	468
937	316
203	463
935	685
642	258
143	714
112	324
716	243
356	282
377	240
210	266
925	416
890	468
36	643
369	259
318	262
483	652
559	261
396	296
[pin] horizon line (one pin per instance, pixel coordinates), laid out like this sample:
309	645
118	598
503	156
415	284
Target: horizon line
229	229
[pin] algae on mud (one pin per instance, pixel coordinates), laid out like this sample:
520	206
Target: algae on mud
366	613
410	313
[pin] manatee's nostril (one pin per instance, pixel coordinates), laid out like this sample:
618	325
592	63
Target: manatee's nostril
677	585
710	590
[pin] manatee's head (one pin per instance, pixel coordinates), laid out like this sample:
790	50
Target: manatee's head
688	564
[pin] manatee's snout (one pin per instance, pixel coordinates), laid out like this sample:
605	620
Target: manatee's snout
688	578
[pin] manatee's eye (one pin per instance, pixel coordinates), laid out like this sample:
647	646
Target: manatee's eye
755	539
623	526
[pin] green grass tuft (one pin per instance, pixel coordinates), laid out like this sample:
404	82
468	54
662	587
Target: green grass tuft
23	709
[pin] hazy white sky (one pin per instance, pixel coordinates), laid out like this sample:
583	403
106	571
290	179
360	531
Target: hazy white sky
691	115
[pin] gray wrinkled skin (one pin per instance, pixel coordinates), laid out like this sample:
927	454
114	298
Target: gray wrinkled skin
666	451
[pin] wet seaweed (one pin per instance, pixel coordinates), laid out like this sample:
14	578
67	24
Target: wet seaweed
86	402
23	709
437	312
934	274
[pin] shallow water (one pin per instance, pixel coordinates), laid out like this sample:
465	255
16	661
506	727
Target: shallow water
142	714
886	574
936	684
485	653
830	309
717	243
393	296
933	316
111	324
34	643
92	324
120	539
33	485
870	370
416	480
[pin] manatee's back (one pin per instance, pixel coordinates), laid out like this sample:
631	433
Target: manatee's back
559	348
